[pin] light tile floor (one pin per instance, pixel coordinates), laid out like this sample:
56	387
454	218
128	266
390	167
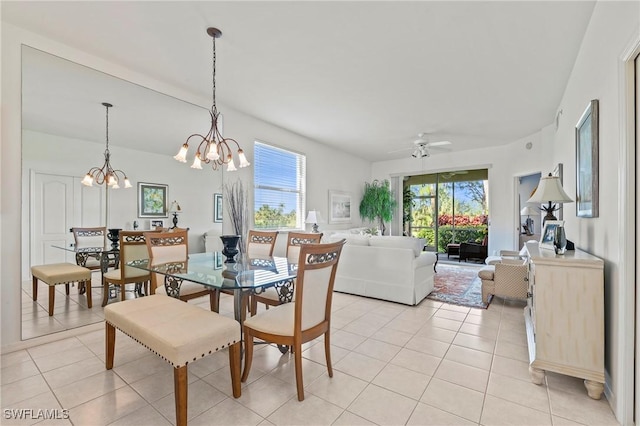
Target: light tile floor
434	364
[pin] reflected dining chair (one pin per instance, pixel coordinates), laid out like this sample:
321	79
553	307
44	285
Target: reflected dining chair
307	317
132	247
271	296
164	247
89	237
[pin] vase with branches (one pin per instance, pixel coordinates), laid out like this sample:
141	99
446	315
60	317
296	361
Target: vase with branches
378	203
238	208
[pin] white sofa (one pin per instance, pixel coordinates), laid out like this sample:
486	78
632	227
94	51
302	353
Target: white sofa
389	268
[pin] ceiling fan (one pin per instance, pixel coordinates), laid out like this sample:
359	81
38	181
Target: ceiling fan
422	146
449	175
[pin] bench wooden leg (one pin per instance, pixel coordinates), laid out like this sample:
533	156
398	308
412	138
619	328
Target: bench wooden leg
35	288
66	289
87	285
234	364
52	298
181	394
110	344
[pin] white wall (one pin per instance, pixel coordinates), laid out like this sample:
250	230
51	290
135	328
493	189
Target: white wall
193	189
597	75
326	168
614	26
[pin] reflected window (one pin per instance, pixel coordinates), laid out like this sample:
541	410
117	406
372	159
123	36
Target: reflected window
279	188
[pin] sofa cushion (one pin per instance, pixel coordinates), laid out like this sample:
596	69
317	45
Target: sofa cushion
415	244
351	239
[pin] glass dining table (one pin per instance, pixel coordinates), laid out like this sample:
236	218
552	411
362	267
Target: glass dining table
249	275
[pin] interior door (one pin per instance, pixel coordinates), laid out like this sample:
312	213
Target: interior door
59	203
51	218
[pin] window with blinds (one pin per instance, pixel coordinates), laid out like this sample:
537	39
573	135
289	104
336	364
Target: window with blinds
279	188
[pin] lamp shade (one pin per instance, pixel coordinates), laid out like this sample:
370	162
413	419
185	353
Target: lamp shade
550	190
313	217
528	211
175	208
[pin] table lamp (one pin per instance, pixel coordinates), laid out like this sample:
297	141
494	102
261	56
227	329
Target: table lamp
175	209
314	218
550	191
528	211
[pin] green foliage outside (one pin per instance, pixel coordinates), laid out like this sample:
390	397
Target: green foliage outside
274	218
446	235
469	223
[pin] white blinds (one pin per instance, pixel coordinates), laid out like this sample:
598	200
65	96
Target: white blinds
279	188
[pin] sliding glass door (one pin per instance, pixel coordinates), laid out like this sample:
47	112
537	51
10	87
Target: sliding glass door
445	208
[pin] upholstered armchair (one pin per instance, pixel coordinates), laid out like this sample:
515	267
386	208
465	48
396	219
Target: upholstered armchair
508	278
473	250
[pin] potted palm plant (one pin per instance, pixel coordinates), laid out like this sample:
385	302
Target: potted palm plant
378	203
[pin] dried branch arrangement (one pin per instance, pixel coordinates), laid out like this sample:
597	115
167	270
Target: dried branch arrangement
236	198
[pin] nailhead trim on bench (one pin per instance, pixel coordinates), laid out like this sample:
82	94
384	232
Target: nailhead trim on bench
162	356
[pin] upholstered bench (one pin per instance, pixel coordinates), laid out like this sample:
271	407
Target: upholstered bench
60	273
179	333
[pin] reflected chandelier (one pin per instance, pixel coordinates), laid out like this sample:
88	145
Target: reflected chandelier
213	147
106	173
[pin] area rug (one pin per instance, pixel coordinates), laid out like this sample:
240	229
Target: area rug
458	285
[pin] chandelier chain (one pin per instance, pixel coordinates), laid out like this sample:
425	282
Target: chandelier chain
213	75
107	130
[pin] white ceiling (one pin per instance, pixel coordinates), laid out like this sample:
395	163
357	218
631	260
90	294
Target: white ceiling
365	76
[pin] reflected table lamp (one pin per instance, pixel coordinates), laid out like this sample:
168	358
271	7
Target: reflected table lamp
528	211
550	191
313	217
175	209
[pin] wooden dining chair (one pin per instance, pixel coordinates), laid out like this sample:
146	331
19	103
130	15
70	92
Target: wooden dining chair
165	247
89	237
261	243
307	317
132	247
271	296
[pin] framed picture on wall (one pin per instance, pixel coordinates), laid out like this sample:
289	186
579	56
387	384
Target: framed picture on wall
152	200
217	208
339	207
587	162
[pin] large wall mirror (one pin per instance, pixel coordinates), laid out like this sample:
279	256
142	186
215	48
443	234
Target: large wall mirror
64	135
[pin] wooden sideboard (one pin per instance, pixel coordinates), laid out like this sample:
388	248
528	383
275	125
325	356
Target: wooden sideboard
564	316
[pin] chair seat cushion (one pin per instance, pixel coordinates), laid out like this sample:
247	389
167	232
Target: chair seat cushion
278	320
186	288
270	293
175	330
60	273
114	274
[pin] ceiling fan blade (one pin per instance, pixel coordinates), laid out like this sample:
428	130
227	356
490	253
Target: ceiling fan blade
439	143
400	150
